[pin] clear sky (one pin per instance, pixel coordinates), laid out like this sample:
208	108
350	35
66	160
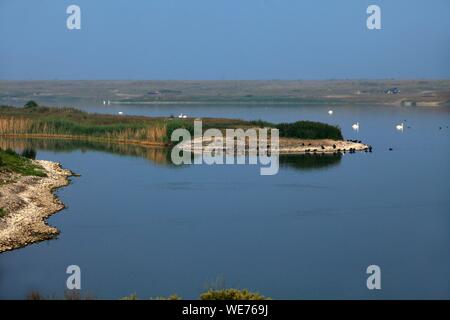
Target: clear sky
224	39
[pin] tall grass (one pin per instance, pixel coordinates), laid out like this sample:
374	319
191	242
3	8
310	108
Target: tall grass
67	122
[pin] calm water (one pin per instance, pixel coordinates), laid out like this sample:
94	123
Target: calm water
137	223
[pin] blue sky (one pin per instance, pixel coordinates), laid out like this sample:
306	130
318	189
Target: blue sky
224	39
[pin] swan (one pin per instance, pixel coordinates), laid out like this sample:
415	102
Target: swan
180	116
330	112
355	126
400	127
184	116
120	112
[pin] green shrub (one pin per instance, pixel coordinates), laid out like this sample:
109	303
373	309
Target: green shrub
231	294
2	213
309	130
31	104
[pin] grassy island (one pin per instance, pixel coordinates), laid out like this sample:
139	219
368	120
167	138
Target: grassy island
38	121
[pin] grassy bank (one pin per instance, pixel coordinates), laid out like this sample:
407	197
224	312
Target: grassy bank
14	163
34	120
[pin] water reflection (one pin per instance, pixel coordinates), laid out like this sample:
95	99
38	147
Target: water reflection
157	155
310	161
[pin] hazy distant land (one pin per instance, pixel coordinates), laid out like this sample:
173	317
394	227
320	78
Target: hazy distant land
412	92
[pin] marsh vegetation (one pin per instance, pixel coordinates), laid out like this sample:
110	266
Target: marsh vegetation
34	120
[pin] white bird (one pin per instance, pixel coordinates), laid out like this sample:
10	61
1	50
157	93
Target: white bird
180	116
104	101
330	112
355	126
400	127
109	102
184	116
120	112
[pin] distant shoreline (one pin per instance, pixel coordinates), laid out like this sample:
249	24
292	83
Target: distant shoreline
421	92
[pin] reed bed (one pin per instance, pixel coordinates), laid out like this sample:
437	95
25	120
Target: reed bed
153	132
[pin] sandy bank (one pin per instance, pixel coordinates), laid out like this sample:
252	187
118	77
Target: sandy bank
28	202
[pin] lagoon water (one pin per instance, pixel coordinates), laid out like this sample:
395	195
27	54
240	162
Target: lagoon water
135	223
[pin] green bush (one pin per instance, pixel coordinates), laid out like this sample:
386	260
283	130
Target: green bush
231	294
309	130
31	104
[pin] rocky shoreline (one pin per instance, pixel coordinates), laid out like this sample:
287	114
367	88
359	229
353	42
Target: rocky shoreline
27	202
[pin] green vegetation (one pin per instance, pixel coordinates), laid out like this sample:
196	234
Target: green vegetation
31	104
219	294
222	294
309	130
71	123
74	123
174	124
2	212
132	296
231	294
10	161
